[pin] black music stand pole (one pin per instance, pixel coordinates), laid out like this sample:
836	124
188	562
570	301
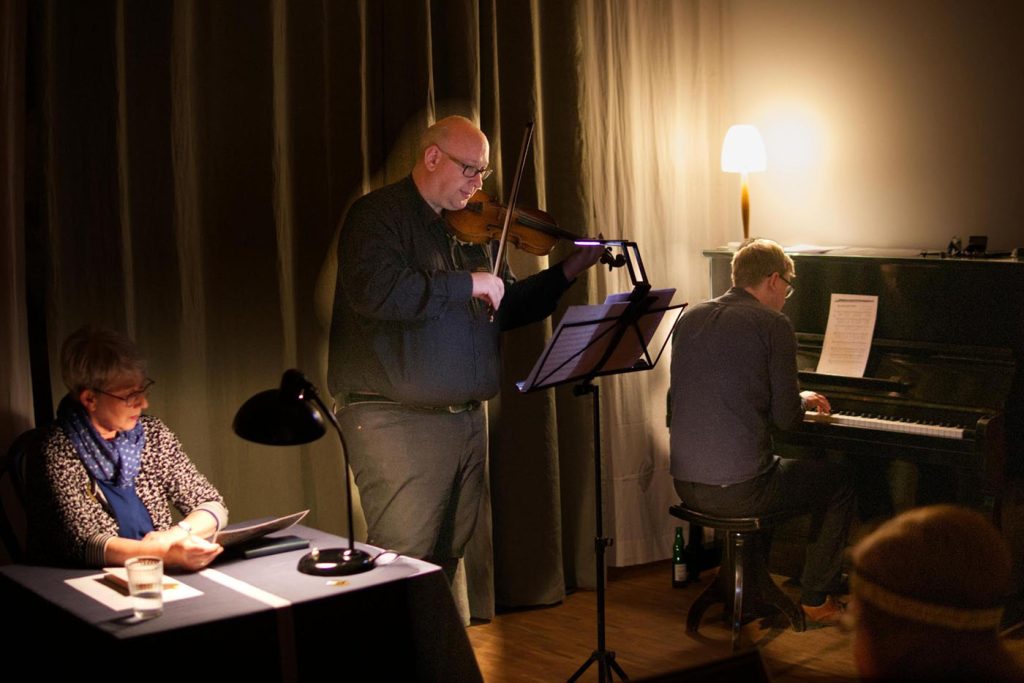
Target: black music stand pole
605	659
609	343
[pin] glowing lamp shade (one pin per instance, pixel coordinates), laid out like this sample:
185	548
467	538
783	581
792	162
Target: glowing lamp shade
743	152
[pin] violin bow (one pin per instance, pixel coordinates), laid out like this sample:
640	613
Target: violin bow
513	196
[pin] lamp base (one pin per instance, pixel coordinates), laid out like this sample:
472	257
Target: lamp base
335	562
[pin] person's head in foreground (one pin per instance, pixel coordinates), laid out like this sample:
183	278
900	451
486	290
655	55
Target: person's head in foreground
927	591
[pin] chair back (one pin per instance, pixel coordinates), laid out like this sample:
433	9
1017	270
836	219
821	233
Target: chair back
13	497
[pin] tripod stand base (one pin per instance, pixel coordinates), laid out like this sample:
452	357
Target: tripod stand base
606	664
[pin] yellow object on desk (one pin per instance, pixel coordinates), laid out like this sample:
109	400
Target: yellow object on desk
118	577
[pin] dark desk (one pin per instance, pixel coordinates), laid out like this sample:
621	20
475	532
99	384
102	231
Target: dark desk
394	622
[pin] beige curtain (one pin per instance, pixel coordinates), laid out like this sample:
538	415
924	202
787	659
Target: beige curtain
194	162
653	116
189	162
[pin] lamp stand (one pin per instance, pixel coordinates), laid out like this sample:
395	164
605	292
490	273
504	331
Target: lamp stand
745	205
336	561
291	415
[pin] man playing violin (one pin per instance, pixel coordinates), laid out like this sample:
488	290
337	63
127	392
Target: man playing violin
414	350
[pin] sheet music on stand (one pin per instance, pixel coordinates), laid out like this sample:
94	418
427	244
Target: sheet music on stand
585	333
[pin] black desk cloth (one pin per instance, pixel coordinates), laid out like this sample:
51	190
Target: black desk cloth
396	622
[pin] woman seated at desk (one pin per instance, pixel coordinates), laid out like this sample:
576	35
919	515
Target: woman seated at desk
100	491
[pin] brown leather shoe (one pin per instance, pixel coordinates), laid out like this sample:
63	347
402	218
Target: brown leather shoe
827	613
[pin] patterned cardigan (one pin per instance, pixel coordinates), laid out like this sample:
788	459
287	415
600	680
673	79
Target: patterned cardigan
69	521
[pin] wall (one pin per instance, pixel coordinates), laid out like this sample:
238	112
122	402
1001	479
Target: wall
891	124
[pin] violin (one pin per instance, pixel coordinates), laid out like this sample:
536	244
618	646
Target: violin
532	230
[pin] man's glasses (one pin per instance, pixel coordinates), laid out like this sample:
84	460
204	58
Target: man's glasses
134	399
789	287
469	170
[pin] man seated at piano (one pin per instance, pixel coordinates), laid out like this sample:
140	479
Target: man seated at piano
101	489
734	379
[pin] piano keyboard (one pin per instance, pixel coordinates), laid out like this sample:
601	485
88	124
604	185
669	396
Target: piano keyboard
885	424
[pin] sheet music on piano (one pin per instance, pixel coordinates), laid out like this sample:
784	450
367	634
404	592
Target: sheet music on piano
851	325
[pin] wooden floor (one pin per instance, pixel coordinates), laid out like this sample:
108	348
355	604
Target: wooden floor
645	628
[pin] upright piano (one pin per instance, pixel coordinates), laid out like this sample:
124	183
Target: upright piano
944	385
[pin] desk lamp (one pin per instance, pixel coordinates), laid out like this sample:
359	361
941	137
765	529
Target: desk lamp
743	152
291	415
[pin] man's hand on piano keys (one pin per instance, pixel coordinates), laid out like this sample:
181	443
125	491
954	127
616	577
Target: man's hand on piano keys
815	401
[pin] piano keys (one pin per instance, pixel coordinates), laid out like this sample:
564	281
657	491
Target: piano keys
944	385
883	423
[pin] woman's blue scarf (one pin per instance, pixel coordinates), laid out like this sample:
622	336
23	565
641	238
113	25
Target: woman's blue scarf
112	464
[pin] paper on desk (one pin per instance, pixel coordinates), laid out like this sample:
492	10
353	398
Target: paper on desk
102	591
851	325
246	531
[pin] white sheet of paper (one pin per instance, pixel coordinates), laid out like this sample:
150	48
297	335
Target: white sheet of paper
851	325
577	337
572	339
103	592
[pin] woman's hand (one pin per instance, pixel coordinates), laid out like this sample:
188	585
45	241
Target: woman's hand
177	547
166	538
192	553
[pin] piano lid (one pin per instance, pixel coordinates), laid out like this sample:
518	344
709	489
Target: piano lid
947	302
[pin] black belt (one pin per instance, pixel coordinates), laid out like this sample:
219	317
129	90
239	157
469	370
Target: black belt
455	408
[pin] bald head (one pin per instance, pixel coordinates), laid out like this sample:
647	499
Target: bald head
444	131
449	150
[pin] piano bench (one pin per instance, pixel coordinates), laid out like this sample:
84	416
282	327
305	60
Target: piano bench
743	584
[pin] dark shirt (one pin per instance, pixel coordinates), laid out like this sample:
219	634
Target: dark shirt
734	376
405	325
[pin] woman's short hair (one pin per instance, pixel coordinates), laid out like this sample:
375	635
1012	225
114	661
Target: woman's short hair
757	259
92	357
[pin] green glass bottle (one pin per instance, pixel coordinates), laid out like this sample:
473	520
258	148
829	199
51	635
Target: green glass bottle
680	567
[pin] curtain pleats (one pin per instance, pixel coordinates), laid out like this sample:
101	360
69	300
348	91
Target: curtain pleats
197	158
651	74
16	394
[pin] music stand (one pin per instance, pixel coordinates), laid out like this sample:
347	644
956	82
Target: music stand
600	340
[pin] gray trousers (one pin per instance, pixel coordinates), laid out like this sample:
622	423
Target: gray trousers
420	475
807	485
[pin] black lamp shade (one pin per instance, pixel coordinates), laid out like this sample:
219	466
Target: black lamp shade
276	418
289	416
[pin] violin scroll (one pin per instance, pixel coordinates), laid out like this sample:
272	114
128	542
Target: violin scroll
612	262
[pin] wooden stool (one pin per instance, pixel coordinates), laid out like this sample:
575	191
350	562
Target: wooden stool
743	581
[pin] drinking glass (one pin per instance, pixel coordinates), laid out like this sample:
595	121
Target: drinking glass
145	584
